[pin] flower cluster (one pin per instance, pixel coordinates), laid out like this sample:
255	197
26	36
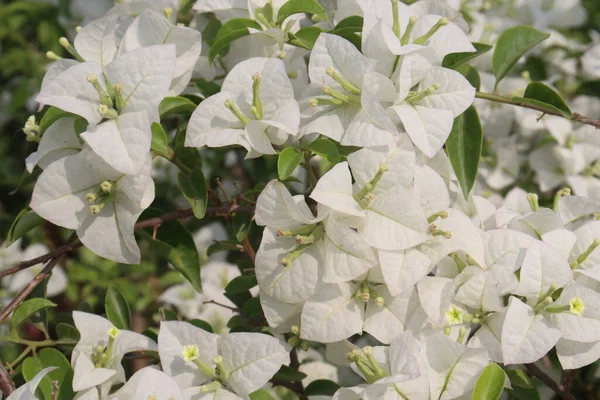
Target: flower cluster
385	240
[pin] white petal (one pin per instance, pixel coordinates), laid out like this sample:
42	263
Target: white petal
332	314
251	359
526	337
334	190
98	41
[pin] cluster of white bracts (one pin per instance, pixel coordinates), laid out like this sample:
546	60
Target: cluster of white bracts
384	244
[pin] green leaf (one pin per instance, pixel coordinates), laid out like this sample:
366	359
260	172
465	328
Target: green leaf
195	190
252	307
261	394
455	59
519	378
540	95
230	31
67	332
28	308
188	156
25	221
117	309
511	45
50	357
305	37
352	24
490	384
301	6
288	160
326	149
471	74
287	374
160	143
51	116
241	284
176	105
241	222
321	387
175	243
464	148
198	323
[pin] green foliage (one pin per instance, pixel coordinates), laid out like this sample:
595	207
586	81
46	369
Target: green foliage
513	44
27	309
25	221
195	190
490	383
288	161
230	31
63	374
292	7
117	309
464	148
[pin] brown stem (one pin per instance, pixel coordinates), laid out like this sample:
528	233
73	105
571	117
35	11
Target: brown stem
516	102
6	384
537	372
177	214
234	309
248	249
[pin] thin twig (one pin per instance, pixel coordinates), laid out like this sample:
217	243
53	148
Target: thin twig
234	309
248	249
28	289
54	390
516	102
536	371
177	214
6	384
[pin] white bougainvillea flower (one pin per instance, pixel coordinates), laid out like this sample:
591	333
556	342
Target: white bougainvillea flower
334	190
241	362
427	113
126	92
27	391
344	99
149	383
82	192
591	62
151	28
128	8
255	109
96	358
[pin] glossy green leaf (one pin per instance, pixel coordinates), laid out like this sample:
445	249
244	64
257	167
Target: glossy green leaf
471	74
230	31
464	148
175	243
519	378
26	310
352	24
160	143
288	161
252	307
241	283
490	383
326	149
188	156
292	7
67	332
225	245
540	95
195	190
261	394
453	60
198	323
25	221
287	374
117	309
50	357
305	37
52	115
511	45
176	105
321	387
